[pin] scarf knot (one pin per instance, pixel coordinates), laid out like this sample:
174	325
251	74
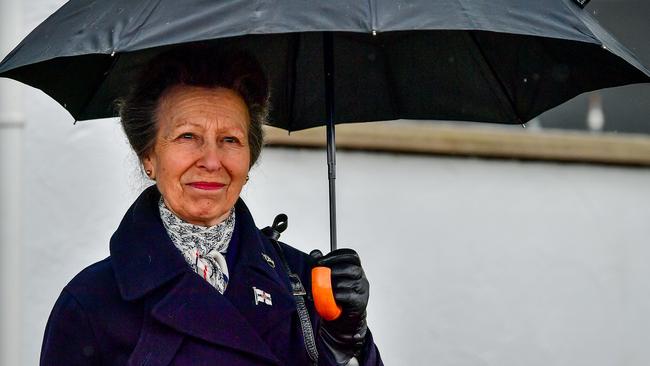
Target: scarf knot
202	247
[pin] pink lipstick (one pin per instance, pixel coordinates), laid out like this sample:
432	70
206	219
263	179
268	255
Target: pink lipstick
208	186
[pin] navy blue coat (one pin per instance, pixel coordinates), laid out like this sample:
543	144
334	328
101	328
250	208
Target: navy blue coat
143	305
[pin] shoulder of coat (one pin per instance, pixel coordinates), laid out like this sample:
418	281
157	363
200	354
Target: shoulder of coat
94	282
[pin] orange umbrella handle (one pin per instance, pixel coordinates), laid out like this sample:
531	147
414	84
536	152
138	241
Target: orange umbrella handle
321	288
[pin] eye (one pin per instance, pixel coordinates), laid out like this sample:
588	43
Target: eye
231	140
186	136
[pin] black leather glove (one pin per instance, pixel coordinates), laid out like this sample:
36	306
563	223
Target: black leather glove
351	291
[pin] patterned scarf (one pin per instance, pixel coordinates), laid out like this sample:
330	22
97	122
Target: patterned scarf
203	247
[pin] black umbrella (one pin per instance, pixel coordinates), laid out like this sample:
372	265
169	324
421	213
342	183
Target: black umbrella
415	59
503	61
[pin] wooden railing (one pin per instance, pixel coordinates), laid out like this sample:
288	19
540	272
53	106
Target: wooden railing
494	141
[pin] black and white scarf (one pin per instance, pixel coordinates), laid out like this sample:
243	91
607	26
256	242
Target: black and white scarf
203	247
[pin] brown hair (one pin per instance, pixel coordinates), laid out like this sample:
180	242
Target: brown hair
194	65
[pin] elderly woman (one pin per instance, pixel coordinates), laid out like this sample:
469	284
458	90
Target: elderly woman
190	279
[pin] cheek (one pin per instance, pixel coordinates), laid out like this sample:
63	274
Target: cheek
238	167
238	173
245	165
172	168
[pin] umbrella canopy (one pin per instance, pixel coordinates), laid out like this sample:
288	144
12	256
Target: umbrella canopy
502	61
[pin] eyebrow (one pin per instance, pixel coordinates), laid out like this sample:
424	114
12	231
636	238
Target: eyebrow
184	122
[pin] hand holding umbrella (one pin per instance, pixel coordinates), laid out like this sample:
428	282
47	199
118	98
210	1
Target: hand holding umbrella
344	328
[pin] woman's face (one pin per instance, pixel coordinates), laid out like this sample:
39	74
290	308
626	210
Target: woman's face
201	156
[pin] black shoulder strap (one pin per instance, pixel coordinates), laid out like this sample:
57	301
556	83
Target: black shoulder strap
280	224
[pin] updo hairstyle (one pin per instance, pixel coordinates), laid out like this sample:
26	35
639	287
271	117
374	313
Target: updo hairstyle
194	65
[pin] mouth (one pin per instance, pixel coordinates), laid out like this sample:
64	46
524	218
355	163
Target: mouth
207	186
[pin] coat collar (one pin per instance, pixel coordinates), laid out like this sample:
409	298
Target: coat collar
142	254
144	259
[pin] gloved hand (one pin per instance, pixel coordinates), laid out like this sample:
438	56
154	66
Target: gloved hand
351	291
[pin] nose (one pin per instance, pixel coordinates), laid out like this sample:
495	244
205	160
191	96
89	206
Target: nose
211	156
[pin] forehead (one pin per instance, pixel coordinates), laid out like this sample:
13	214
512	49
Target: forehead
183	104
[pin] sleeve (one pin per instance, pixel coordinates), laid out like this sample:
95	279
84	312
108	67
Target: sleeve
301	263
369	355
69	338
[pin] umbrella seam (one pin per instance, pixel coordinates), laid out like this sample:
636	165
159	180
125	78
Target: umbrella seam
502	87
465	13
140	27
573	9
620	50
103	79
292	84
373	15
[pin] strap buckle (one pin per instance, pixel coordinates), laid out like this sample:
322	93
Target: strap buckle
296	285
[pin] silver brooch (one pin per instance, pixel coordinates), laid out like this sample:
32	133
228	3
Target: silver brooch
268	260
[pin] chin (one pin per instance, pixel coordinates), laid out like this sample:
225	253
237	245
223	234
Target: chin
210	218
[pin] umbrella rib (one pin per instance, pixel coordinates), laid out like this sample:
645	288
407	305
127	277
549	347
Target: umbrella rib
373	15
291	84
144	21
502	87
99	84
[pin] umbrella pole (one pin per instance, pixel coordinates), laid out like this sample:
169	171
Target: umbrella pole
331	133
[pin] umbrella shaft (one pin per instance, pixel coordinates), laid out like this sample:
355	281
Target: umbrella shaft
331	175
331	134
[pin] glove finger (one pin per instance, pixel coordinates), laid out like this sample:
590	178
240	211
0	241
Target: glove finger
339	256
356	286
351	301
347	272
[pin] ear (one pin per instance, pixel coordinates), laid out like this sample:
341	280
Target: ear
148	166
146	162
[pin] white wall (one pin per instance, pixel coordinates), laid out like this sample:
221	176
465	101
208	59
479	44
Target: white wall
472	262
11	164
482	262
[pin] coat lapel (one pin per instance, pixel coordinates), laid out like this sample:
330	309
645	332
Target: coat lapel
195	308
142	255
157	345
254	270
259	267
